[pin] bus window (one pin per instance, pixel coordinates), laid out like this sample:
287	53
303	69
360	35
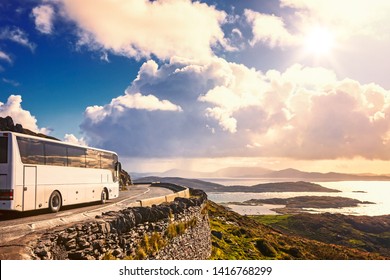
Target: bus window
76	157
31	151
107	161
3	149
93	159
55	154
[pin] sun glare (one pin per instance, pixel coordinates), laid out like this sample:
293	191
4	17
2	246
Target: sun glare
319	41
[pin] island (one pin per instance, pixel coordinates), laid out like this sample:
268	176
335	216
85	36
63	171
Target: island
300	203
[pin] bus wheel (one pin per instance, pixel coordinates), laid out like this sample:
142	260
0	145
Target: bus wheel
55	202
103	196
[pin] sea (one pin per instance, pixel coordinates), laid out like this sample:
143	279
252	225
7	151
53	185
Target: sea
377	192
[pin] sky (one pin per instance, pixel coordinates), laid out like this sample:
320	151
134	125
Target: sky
203	85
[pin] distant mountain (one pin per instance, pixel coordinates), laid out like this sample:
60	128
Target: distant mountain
191	183
259	188
289	174
234	172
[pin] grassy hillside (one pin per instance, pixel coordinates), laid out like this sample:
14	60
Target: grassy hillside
370	234
241	237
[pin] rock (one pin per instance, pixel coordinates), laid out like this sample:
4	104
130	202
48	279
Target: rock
121	234
76	255
217	234
71	244
104	227
265	248
83	243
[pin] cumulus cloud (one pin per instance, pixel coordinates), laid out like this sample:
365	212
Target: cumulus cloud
13	108
43	16
228	109
71	138
135	101
144	28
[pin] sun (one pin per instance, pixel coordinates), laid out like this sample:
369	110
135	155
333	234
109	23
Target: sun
319	41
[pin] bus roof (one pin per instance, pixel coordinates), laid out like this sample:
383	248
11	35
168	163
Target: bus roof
2	133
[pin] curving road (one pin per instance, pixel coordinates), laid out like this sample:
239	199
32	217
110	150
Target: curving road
16	225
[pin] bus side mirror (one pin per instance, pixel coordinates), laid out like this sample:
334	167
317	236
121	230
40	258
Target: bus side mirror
118	167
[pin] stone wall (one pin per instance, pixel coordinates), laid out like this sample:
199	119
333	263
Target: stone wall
175	230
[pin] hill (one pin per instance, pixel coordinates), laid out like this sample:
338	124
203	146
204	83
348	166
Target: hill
241	237
263	173
265	187
365	233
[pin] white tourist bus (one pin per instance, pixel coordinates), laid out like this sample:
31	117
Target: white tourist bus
38	173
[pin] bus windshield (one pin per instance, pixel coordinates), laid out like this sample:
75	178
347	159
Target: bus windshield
3	149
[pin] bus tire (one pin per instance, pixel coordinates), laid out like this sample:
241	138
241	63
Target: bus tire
55	202
104	196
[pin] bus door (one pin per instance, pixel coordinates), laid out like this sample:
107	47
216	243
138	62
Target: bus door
29	187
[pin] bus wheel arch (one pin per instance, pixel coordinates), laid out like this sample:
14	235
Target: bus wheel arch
55	201
104	195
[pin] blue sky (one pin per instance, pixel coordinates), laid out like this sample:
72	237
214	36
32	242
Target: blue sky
203	85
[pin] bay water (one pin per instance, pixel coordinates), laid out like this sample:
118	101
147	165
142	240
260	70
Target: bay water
377	192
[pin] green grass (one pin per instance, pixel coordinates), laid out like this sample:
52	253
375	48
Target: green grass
254	238
271	219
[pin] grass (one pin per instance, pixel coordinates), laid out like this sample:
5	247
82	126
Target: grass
242	237
272	219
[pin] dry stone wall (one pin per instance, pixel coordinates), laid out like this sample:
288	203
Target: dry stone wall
175	230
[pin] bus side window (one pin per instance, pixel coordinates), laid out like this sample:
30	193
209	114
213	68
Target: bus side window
55	154
93	159
31	151
76	157
107	162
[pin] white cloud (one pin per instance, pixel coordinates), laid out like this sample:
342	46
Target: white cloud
228	109
43	18
142	28
269	29
122	103
18	36
343	20
13	108
104	57
11	82
71	138
5	57
349	17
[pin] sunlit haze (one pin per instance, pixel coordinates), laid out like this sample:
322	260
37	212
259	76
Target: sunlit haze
319	41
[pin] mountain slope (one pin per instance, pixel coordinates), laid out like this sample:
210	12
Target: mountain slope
366	233
240	237
263	173
299	186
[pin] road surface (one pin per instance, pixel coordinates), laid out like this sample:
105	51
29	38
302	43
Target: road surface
16	225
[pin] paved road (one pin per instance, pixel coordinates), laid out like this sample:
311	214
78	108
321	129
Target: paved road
17	225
